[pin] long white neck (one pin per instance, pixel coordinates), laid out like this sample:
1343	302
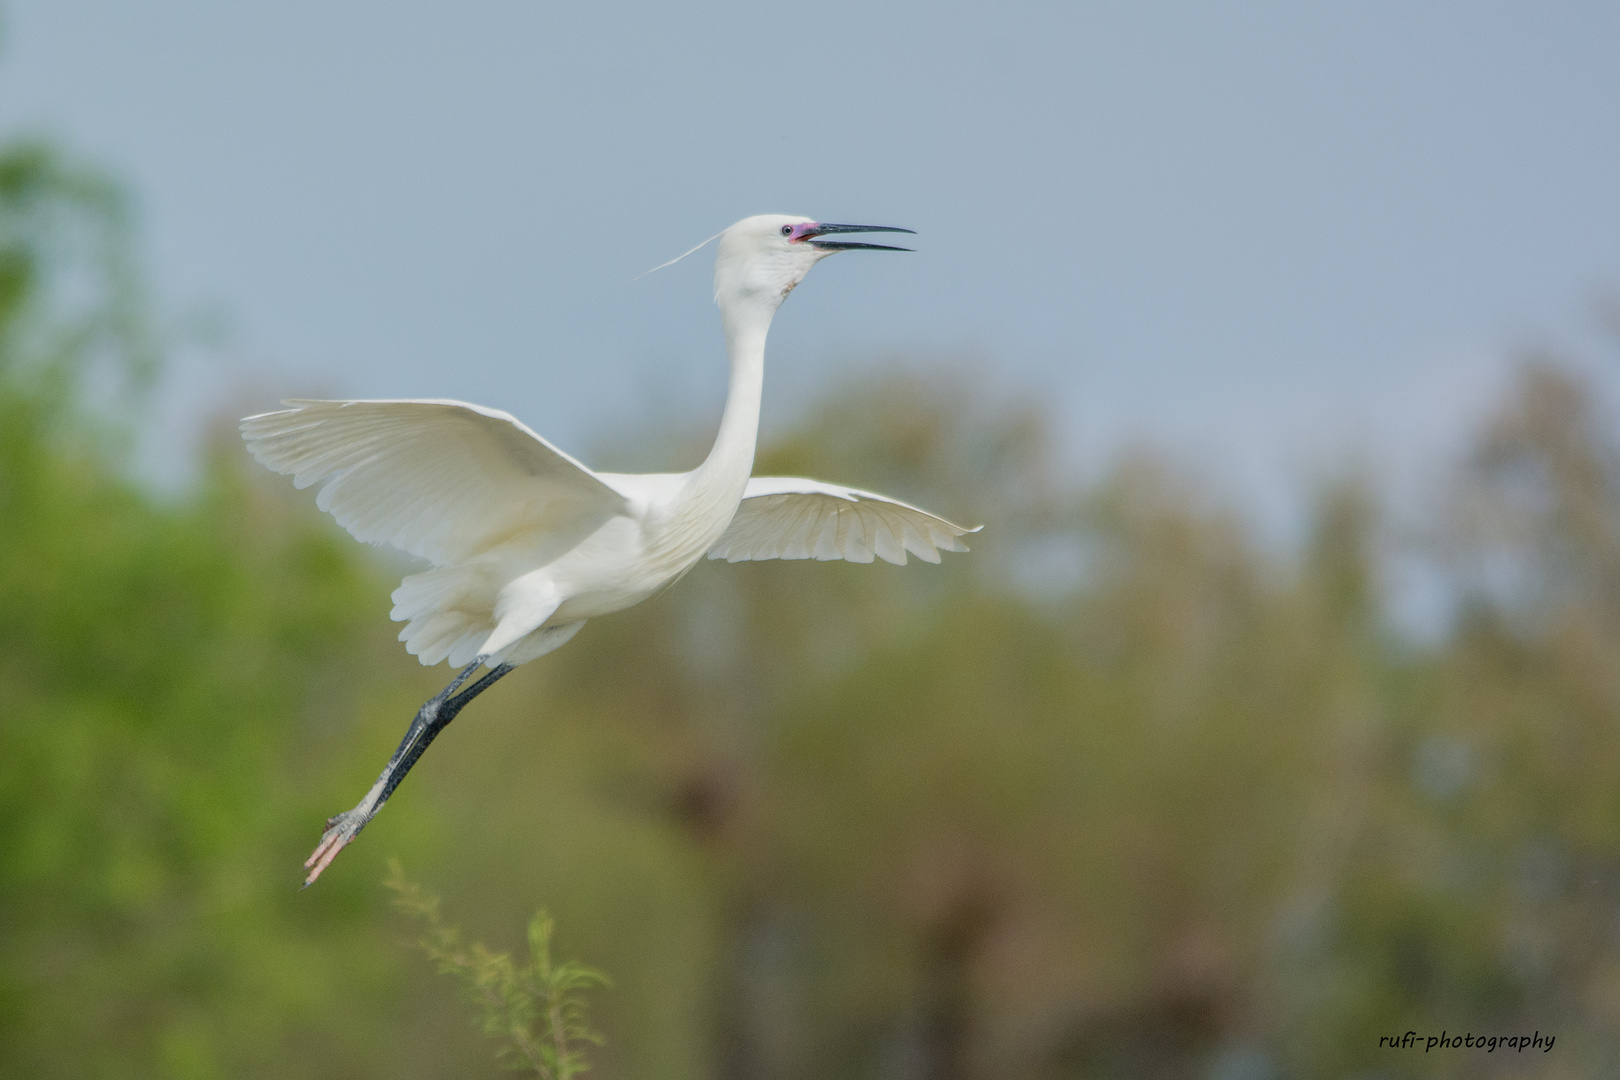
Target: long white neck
724	473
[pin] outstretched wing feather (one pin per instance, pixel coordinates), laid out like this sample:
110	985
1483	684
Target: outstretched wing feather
790	517
442	480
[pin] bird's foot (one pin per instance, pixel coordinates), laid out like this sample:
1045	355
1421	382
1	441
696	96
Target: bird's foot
340	832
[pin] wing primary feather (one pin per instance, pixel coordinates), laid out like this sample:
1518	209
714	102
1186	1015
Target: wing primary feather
795	518
438	479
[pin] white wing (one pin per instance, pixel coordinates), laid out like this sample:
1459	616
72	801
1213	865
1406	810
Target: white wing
789	517
442	480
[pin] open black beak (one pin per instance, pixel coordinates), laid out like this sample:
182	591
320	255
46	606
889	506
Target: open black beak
822	229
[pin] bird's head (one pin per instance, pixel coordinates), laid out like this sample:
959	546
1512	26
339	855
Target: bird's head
761	259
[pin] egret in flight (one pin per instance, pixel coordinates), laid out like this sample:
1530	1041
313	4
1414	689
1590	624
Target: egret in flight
525	543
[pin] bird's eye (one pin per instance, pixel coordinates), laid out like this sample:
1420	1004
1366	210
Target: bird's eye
787	230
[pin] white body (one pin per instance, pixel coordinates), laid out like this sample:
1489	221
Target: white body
526	543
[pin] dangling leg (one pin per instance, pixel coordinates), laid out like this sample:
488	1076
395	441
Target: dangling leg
431	719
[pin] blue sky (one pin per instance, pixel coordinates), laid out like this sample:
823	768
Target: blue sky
1260	234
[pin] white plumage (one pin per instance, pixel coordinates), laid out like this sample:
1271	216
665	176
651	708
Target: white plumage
789	517
441	480
525	543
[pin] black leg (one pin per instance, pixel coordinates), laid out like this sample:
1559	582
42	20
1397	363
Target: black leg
425	717
433	717
422	733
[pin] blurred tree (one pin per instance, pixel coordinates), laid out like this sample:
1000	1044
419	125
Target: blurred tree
1124	793
1183	811
152	657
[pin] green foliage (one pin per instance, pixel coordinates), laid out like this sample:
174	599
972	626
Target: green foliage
1125	792
511	1000
71	301
164	669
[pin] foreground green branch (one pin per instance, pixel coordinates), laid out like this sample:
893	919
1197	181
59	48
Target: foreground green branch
537	1011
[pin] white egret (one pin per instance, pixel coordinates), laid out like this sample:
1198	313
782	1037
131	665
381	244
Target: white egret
526	543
